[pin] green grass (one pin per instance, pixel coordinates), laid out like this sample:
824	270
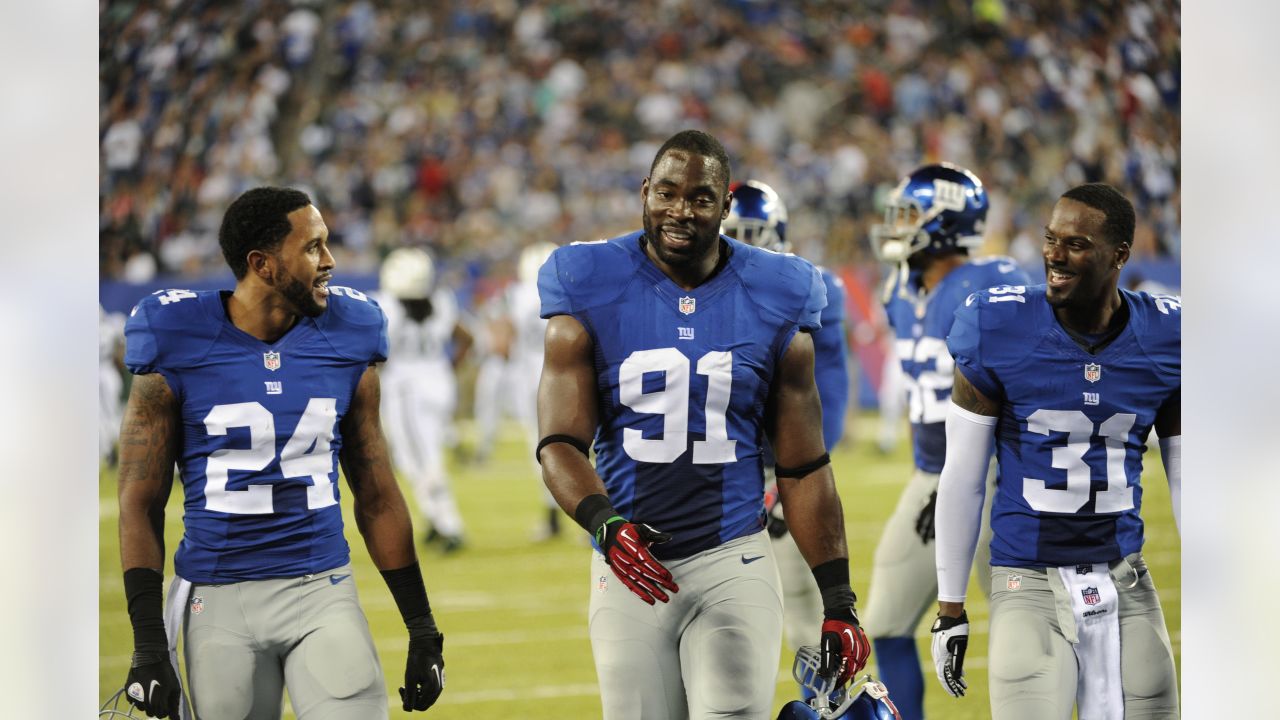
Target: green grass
514	611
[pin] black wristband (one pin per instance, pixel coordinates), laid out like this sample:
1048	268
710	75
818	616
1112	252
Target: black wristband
802	470
560	438
410	594
144	596
838	598
593	511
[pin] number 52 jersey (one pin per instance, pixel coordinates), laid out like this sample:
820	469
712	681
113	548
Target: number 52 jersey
260	428
683	377
1074	425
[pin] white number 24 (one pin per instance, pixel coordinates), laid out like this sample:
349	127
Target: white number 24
1118	496
307	454
672	403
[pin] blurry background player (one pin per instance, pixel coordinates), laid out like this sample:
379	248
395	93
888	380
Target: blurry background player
110	382
935	217
1067	380
758	216
419	391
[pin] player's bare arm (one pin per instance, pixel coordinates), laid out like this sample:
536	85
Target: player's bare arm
809	503
462	342
149	438
964	394
567	398
380	510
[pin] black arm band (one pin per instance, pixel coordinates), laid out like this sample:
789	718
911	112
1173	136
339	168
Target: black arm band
805	469
410	594
838	599
559	438
144	596
593	511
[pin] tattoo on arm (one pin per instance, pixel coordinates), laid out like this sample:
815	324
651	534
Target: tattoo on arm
964	394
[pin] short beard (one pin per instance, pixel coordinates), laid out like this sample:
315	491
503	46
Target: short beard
697	249
301	297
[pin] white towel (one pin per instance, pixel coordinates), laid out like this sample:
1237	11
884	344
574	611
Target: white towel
1095	607
174	605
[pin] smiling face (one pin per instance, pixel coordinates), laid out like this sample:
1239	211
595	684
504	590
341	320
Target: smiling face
685	199
304	265
1081	266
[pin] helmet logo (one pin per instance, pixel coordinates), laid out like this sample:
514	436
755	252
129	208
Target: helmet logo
688	305
948	195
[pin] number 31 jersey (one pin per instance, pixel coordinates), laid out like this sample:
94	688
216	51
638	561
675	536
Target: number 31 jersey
683	377
259	430
1074	425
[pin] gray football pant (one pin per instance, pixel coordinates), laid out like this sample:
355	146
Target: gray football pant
711	652
1032	666
904	578
801	601
251	639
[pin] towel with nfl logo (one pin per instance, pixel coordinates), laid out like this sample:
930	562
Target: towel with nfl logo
1095	606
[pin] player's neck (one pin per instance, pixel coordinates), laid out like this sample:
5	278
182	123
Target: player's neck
939	269
1094	319
691	276
259	312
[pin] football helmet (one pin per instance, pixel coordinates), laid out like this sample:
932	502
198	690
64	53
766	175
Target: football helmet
936	208
864	699
757	216
407	273
532	259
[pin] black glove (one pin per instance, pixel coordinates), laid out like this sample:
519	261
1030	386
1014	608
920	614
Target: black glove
424	669
152	685
626	549
950	639
924	522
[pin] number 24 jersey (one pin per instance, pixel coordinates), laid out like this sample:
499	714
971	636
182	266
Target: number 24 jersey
1074	425
260	428
683	378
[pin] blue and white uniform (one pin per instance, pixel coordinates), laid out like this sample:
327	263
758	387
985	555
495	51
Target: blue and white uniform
831	360
683	377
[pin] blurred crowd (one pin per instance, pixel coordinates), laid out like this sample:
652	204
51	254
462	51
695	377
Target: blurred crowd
475	128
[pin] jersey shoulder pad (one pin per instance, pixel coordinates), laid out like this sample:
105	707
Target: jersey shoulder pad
833	313
171	329
991	326
355	325
784	285
993	271
1157	322
583	275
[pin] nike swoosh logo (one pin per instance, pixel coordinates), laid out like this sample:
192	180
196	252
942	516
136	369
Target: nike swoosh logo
335	579
748	560
151	692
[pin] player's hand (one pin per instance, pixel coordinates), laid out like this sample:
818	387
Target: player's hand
152	685
950	639
924	521
626	549
773	519
845	648
423	671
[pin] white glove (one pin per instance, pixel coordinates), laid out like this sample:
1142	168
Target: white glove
950	639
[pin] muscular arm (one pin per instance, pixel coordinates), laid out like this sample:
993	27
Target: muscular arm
810	504
149	438
567	406
380	510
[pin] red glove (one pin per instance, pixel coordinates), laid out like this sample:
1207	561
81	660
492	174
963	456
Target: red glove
844	649
626	549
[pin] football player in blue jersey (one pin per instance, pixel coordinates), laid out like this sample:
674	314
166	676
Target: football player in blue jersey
934	219
1066	380
257	394
758	216
677	351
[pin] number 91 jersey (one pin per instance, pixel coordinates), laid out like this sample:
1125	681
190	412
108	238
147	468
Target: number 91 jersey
1074	425
259	430
683	377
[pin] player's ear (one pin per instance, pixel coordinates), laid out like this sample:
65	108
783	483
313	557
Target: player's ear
262	264
1122	255
644	189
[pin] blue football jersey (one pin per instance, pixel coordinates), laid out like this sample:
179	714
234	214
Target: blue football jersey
920	326
260	431
1073	427
683	377
831	361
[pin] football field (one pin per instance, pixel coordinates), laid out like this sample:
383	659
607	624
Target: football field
513	611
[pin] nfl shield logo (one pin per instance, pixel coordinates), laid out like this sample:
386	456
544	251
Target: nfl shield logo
271	360
1013	582
1091	596
603	584
1093	372
197	605
688	305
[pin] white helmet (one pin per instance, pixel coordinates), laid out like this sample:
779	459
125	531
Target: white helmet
408	274
531	260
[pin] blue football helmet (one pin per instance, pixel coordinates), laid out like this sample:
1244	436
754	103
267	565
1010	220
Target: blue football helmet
864	699
757	216
936	208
